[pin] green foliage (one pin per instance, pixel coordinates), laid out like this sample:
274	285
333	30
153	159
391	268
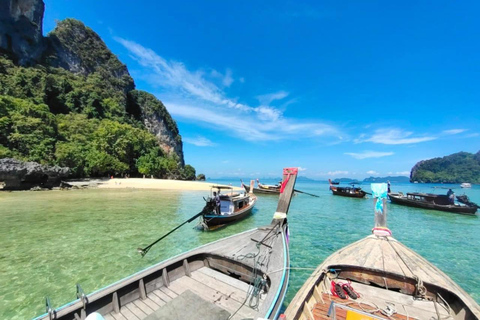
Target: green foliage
188	172
201	177
91	120
456	168
27	129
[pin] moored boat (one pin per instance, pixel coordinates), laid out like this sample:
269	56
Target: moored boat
431	201
352	192
466	185
380	278
272	191
233	278
231	207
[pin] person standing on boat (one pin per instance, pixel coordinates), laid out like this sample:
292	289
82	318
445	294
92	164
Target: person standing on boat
388	186
451	196
217	202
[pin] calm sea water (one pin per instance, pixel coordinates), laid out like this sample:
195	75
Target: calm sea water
53	240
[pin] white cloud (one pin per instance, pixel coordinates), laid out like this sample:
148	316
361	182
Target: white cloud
371	172
336	173
266	99
199	141
302	169
369	154
190	95
454	131
393	136
403	173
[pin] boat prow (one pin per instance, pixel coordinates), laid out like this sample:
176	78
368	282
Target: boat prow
382	279
242	276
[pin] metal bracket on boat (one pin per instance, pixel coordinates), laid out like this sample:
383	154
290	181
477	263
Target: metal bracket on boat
49	310
82	296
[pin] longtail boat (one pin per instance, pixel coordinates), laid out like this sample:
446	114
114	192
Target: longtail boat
380	278
432	201
275	192
352	192
238	277
231	207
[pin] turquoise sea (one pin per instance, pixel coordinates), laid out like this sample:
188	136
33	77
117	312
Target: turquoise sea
52	240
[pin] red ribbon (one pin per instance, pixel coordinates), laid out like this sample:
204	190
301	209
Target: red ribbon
288	172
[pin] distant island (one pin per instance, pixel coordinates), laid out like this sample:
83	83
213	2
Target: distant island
456	168
392	179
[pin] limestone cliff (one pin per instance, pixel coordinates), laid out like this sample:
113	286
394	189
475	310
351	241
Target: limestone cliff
78	49
21	30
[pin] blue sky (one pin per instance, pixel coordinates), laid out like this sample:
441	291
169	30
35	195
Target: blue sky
336	88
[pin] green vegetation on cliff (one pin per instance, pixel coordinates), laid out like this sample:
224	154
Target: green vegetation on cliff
456	168
52	116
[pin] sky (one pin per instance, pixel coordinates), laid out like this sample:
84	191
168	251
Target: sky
336	88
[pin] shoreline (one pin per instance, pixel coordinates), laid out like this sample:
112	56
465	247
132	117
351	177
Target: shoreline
146	183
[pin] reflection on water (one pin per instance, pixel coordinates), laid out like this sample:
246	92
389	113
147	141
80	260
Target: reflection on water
55	239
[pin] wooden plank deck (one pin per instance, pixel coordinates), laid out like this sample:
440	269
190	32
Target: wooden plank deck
373	300
211	285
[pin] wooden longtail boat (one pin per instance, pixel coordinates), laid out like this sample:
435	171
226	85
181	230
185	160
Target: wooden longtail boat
431	201
238	277
261	191
232	207
347	191
380	278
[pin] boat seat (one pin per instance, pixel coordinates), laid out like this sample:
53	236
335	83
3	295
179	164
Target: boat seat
189	305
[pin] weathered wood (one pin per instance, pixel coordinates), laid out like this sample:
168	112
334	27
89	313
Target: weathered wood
235	267
226	289
115	302
139	313
140	304
126	313
289	178
186	267
214	296
166	282
162	295
394	270
141	288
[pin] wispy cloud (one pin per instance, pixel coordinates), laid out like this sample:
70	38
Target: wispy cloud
369	154
454	131
266	99
403	173
336	173
302	169
473	135
199	141
372	172
393	137
194	97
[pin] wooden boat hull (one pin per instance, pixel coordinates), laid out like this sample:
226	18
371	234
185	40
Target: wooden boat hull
402	200
262	191
238	277
211	220
172	276
340	192
383	272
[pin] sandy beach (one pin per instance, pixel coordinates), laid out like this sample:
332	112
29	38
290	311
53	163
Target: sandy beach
147	183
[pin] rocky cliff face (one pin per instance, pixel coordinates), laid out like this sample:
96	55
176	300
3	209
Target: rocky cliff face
21	30
78	49
18	175
158	121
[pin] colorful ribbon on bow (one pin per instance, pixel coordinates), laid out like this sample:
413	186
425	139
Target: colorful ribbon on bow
380	192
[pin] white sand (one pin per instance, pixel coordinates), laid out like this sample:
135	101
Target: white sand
148	183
